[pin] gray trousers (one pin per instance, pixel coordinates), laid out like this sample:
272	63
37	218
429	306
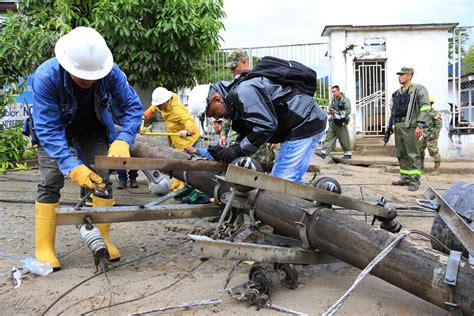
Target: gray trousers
87	146
337	132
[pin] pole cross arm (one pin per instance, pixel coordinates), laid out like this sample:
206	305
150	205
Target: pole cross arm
259	180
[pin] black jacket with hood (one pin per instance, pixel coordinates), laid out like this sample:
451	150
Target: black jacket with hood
262	111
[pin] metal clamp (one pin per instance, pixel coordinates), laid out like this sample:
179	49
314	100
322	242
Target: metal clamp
218	180
227	207
185	176
429	204
310	210
450	278
452	267
303	235
252	216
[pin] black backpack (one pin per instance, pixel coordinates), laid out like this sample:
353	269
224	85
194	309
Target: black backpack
288	73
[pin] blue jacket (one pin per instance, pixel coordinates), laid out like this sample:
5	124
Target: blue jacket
54	108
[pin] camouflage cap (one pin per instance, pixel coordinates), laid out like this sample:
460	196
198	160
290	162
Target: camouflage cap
406	70
234	57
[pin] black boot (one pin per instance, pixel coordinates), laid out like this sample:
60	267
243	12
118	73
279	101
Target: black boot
133	183
122	185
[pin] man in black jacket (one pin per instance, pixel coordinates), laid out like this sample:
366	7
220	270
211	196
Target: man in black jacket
263	111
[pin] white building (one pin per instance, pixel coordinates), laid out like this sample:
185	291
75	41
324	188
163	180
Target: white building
364	61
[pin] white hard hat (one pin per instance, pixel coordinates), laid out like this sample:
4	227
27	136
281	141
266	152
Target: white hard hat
197	101
83	52
158	184
160	95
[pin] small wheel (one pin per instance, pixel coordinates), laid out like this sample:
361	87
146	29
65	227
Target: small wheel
328	184
261	280
248	163
288	275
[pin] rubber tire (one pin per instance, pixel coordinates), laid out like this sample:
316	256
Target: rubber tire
440	230
321	181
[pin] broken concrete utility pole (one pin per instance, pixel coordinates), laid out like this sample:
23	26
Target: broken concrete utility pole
414	268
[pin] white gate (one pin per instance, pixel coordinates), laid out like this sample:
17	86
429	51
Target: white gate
371	96
313	55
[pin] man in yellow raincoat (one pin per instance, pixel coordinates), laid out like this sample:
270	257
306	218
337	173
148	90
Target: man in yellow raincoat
177	120
176	116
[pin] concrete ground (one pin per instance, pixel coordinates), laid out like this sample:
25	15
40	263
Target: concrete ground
163	257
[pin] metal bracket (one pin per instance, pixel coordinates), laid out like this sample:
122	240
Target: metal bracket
259	180
114	214
205	247
471	254
452	267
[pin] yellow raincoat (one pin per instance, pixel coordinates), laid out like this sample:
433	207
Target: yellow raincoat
177	118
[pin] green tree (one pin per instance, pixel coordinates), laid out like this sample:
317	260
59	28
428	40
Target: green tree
456	36
155	42
468	61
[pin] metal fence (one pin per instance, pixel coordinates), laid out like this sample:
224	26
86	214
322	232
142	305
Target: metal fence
461	80
313	55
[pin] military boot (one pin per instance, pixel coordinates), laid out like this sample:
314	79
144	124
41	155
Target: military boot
400	182
436	167
422	163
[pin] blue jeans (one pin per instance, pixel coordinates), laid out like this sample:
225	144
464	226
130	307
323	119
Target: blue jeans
122	175
294	158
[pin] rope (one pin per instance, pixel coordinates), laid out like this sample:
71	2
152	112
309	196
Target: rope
334	308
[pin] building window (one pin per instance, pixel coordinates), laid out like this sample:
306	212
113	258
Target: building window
462	115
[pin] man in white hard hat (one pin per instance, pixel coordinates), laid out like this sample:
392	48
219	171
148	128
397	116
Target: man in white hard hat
177	120
77	97
176	117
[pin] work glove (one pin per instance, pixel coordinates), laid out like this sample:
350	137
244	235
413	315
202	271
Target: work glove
227	154
149	112
184	133
119	148
86	178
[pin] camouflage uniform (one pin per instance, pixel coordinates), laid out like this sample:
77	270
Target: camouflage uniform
338	131
416	107
226	131
430	137
263	155
234	57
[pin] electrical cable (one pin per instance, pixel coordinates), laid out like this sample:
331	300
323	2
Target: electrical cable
147	295
101	272
336	306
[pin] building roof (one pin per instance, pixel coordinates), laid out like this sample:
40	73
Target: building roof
6	5
328	29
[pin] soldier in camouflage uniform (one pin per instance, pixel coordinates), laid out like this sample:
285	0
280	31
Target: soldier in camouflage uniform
430	138
410	109
339	111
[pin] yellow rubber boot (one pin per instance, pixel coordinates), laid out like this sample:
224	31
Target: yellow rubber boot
176	184
114	253
45	218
